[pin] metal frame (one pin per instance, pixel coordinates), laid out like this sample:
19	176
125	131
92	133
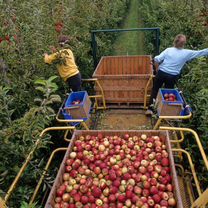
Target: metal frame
167	118
58	150
28	159
146	90
102	96
94	42
202	200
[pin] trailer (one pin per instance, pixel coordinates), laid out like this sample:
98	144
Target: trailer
122	86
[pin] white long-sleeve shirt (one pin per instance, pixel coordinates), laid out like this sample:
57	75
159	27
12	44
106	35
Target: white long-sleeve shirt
172	60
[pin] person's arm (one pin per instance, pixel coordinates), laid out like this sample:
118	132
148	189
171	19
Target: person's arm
192	54
160	58
48	59
156	66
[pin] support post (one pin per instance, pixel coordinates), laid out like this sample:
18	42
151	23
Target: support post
157	42
94	49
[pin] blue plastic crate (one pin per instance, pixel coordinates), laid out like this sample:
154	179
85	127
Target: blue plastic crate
173	91
169	108
76	96
68	117
77	111
186	111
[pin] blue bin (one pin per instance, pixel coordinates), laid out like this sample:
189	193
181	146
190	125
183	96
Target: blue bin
186	111
68	117
169	108
77	111
75	96
173	91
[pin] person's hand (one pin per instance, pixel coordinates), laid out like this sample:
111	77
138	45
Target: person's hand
45	57
53	49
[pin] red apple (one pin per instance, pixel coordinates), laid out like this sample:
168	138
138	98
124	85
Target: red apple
112	198
164	203
84	199
156	198
129	194
121	198
165	162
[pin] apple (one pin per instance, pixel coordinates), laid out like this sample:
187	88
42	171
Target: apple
171	202
128	203
156	198
121	198
99	202
143	136
66	197
126	136
165	161
112	198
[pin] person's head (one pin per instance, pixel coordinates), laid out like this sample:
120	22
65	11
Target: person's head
179	41
62	40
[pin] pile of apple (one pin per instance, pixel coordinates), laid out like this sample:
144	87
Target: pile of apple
170	97
116	172
76	102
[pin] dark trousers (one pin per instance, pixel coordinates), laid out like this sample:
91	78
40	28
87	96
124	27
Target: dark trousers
160	79
75	82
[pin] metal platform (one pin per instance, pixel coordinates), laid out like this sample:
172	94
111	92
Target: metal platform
184	192
123	119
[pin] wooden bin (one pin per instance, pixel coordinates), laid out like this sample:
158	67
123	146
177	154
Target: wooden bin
163	134
124	78
169	108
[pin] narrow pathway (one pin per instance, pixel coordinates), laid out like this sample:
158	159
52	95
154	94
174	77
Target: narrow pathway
130	43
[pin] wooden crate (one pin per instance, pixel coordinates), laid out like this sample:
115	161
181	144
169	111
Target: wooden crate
163	134
168	108
124	78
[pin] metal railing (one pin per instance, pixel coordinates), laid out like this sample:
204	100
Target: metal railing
202	200
156	30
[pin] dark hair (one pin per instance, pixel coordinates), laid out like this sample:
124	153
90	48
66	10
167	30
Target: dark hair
177	40
63	39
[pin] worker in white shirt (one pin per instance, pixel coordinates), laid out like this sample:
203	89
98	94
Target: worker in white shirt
169	64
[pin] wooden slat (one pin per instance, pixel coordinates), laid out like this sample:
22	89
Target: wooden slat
124	76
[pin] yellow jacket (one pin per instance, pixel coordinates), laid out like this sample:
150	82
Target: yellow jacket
67	66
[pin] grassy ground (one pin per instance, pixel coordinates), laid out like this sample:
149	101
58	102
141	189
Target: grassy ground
131	43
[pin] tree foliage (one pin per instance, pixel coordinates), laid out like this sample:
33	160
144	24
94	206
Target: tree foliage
28	87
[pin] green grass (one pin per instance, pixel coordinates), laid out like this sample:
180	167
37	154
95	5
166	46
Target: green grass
130	43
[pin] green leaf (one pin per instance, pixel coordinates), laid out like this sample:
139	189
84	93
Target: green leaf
38	100
52	78
40	89
40	81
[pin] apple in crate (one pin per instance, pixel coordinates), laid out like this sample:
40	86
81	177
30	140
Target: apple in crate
114	178
76	102
170	97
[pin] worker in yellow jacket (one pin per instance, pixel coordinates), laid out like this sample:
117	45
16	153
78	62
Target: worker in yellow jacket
66	65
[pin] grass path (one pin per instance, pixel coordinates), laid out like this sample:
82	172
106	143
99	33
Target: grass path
130	43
